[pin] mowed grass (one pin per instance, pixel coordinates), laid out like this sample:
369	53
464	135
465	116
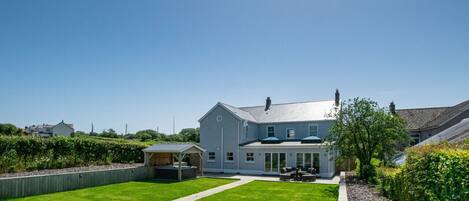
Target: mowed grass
266	190
136	190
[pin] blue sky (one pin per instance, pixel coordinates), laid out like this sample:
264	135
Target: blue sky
143	62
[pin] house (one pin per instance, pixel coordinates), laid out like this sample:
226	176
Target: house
264	139
47	130
423	123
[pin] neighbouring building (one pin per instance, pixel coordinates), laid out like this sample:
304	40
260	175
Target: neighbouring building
264	139
47	130
423	123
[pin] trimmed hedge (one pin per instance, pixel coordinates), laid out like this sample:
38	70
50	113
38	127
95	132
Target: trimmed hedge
432	172
24	153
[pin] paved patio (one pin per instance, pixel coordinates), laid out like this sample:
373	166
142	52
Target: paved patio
333	180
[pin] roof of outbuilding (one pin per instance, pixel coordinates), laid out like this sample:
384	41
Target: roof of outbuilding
171	148
428	118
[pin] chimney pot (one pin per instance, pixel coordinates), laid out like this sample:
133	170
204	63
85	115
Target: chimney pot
337	97
267	103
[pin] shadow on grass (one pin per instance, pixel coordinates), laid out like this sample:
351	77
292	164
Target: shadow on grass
160	181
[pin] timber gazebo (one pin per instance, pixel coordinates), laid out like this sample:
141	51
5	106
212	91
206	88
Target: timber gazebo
175	161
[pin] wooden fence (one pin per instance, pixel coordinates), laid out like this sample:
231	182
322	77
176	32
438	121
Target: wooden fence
41	184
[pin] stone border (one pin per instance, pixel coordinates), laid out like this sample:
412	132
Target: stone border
342	188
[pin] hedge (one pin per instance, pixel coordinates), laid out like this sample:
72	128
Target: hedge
432	172
24	153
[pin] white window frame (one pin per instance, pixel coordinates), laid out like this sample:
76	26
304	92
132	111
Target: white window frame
267	130
226	157
214	157
249	161
286	133
312	158
278	160
309	129
219	118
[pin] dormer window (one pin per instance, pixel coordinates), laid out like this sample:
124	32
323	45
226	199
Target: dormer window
313	130
290	133
270	131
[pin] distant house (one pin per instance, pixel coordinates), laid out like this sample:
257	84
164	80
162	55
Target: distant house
264	139
47	130
423	123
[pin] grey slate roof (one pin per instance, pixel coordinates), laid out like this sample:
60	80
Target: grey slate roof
287	112
292	112
417	118
428	118
241	113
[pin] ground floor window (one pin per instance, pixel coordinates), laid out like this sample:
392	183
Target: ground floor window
273	162
229	156
249	157
307	160
211	156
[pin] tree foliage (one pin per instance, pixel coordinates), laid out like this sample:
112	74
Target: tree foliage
364	130
10	129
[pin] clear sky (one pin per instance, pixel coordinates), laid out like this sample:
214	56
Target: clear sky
143	62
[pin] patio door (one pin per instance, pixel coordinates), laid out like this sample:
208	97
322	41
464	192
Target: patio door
307	160
274	162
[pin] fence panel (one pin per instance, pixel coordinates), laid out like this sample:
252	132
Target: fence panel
11	187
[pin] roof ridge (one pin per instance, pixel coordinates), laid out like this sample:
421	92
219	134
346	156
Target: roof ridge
423	108
286	103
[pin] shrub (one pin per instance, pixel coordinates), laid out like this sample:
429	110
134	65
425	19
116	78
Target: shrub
20	153
432	172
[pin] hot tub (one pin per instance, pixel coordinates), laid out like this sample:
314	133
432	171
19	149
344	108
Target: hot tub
171	172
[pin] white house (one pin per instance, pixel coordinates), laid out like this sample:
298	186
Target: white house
47	130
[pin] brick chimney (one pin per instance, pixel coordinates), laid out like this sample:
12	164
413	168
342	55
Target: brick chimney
337	97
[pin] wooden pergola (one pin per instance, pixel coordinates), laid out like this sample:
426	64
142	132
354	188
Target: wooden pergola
164	154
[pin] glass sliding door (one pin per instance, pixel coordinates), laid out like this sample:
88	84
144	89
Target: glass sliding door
268	162
299	160
316	162
307	161
283	160
273	162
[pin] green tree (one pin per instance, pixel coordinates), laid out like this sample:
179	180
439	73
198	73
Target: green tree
190	135
10	129
110	133
149	134
364	130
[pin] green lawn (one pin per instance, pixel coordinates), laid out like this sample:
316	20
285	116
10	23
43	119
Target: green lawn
266	190
136	190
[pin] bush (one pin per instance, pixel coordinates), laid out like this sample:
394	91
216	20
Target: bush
433	172
32	153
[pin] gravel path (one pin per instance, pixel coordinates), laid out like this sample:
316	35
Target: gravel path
360	191
72	169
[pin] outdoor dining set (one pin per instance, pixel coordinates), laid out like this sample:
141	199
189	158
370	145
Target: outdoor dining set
297	174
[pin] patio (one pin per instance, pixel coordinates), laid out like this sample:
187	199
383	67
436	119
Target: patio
333	180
